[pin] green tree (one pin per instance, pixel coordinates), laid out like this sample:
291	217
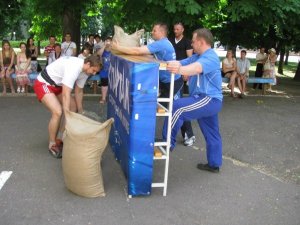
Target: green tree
60	17
268	23
9	17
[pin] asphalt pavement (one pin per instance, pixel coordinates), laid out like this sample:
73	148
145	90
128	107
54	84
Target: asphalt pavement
259	182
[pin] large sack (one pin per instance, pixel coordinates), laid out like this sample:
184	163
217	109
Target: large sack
128	40
84	142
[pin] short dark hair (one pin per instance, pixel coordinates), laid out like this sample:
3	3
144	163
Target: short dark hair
91	35
164	26
94	60
244	51
179	23
97	36
205	34
108	38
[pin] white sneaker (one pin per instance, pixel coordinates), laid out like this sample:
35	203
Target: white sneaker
18	90
22	90
190	141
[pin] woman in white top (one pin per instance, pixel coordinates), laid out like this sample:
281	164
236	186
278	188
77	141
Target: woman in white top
269	66
68	47
229	70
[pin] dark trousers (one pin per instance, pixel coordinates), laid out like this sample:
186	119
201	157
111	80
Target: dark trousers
258	73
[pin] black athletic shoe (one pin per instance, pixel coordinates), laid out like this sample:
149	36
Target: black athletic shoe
208	168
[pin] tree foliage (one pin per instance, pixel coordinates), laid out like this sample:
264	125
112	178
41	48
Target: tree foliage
9	16
248	23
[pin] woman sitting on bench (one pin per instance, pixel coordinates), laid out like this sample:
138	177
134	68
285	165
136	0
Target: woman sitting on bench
229	70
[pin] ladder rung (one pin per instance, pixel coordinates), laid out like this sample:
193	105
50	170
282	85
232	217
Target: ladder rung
158	184
163	114
162	157
160	143
163	99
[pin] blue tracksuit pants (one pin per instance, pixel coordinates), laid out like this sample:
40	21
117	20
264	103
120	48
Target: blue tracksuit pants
205	110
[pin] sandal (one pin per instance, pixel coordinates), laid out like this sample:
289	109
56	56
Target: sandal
233	95
55	151
102	101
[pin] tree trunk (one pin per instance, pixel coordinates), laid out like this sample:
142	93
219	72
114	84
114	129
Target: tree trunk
39	47
297	74
71	24
280	66
287	53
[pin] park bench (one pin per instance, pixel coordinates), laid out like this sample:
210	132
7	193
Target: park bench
252	80
32	77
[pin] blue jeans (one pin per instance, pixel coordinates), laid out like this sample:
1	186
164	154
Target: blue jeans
205	110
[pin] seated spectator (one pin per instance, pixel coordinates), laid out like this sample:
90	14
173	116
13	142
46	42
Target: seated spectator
49	48
68	48
269	66
99	43
35	67
56	54
242	68
229	70
85	52
23	67
7	59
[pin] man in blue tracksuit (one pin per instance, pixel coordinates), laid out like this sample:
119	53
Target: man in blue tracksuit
163	50
205	100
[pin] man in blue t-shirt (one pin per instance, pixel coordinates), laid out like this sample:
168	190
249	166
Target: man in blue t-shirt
205	100
104	54
162	49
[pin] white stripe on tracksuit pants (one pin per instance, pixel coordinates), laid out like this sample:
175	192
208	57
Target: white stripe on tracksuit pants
205	110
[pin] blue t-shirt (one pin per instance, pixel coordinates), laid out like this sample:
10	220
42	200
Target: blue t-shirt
106	63
163	50
209	82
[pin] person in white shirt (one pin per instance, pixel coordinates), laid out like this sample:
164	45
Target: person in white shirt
54	55
53	88
68	48
85	52
242	68
260	60
99	43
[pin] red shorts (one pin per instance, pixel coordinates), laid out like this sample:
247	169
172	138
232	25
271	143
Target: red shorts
41	89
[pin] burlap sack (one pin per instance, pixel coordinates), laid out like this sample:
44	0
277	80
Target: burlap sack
84	142
128	40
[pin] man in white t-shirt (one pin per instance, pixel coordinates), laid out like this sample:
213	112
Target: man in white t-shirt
242	67
53	88
68	48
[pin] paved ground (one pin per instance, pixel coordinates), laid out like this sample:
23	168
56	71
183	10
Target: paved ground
259	182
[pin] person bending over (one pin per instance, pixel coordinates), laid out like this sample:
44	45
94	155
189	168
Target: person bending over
53	88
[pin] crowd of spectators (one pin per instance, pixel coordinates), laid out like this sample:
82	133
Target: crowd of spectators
237	70
25	62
